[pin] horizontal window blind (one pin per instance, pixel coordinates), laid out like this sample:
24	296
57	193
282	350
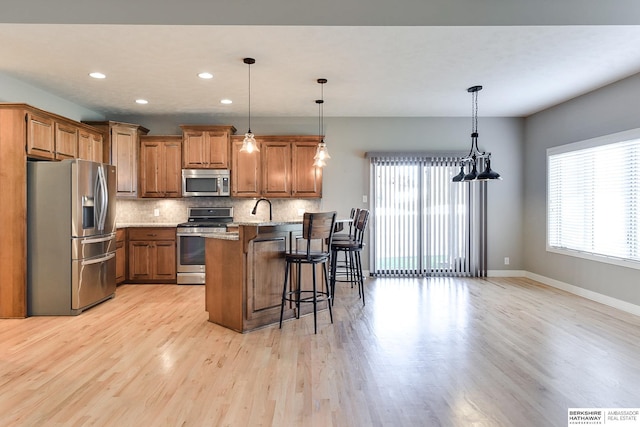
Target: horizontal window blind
593	198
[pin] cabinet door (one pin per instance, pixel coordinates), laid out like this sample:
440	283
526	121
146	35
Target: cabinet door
194	150
165	260
150	169
172	166
218	147
160	166
66	140
141	260
121	261
276	169
124	155
245	172
307	179
90	146
40	136
264	291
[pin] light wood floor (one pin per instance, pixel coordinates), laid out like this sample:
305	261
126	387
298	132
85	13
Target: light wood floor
423	352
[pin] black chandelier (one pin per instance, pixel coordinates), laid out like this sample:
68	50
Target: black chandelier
475	156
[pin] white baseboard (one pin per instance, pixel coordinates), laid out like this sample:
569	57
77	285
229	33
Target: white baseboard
506	273
585	293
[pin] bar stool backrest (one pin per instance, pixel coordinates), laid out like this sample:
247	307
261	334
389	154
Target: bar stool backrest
360	225
318	226
354	216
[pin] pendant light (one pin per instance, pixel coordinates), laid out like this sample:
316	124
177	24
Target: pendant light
249	144
475	155
322	153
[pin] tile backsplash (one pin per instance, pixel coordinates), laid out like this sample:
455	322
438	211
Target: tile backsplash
142	211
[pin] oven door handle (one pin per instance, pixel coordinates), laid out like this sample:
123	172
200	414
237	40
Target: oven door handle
194	234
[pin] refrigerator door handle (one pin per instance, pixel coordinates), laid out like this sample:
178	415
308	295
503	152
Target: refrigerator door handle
107	257
103	201
92	240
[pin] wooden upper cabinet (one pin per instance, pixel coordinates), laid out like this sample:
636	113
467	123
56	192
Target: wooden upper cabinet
206	147
40	136
307	179
121	143
245	171
124	155
276	168
282	168
90	146
160	166
66	141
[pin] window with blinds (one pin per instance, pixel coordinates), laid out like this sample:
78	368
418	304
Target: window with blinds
593	199
422	223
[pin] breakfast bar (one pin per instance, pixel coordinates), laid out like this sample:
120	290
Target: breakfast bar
245	274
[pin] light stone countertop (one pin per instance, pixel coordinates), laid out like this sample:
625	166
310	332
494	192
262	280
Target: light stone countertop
146	224
266	223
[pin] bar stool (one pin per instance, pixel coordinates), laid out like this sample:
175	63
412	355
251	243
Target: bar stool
352	249
342	266
340	226
317	226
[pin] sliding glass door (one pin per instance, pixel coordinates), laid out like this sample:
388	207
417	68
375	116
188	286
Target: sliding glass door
422	223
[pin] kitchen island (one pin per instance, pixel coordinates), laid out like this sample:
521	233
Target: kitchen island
245	274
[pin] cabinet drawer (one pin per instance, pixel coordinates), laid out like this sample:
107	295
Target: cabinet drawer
150	233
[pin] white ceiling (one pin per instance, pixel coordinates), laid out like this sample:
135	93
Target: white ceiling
377	71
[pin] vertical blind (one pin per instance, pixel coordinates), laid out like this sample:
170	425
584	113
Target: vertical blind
593	198
422	224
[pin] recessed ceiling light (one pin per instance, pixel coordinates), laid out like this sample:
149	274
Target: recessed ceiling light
142	101
226	101
205	75
97	75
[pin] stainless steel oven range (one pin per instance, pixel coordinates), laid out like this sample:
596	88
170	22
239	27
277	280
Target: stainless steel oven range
191	241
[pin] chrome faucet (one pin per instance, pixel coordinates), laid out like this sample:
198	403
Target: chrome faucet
255	207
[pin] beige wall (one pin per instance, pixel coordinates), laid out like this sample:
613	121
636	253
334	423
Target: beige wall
346	177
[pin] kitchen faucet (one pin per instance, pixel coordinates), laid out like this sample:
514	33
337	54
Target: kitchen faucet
255	207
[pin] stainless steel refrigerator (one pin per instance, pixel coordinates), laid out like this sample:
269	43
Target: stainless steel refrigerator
71	236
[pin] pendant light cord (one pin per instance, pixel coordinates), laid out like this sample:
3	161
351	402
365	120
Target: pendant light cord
249	98
322	111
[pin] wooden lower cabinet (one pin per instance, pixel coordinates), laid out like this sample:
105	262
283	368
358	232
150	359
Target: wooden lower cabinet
121	255
244	277
152	255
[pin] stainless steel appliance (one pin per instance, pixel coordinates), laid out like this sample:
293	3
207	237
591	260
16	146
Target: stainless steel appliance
71	236
191	235
205	182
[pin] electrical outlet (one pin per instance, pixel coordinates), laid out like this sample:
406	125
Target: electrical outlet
506	260
300	212
156	212
364	198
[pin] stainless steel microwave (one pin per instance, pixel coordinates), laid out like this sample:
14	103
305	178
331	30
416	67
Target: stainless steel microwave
205	182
